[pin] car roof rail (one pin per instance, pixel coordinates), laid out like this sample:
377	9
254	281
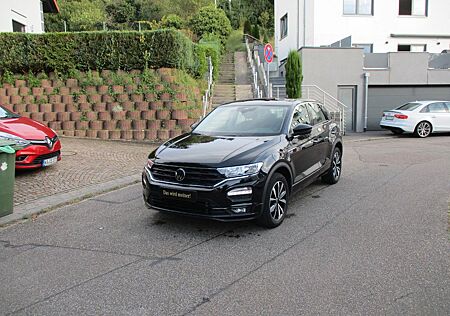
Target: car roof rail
254	99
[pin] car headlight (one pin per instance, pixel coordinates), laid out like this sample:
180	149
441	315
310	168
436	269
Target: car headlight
18	140
150	163
239	171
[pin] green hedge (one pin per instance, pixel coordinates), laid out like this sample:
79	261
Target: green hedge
211	49
62	52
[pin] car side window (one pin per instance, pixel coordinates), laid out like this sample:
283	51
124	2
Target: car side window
300	116
448	106
317	115
438	107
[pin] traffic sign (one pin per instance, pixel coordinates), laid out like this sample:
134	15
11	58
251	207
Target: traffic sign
268	53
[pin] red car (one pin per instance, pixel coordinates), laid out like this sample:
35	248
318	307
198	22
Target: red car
41	146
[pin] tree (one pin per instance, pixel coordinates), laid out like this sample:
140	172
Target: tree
184	8
294	75
211	20
172	21
80	15
255	32
247	27
121	11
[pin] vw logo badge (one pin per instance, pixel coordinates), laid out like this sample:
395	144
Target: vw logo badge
180	174
49	142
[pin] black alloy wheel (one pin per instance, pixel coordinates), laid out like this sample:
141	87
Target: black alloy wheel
334	173
275	202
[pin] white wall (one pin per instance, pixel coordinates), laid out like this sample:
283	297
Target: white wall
27	12
331	25
326	24
292	40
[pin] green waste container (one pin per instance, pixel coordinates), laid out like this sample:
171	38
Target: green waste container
7	173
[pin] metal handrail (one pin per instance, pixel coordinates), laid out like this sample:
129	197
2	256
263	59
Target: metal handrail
207	97
329	102
258	71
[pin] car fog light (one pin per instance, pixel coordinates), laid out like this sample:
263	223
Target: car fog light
240	191
239	210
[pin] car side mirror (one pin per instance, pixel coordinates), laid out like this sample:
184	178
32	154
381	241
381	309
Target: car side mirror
194	125
302	130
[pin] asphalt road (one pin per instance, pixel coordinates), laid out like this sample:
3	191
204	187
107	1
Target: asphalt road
375	243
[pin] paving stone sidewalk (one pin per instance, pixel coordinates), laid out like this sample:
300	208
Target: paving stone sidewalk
84	162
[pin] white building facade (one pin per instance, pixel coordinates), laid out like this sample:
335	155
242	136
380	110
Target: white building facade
25	15
378	26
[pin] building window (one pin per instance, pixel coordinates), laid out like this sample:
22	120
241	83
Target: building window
413	7
284	26
358	7
18	27
367	48
412	48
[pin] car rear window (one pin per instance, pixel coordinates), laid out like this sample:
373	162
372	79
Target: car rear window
408	106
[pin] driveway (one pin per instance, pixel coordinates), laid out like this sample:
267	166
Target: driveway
375	243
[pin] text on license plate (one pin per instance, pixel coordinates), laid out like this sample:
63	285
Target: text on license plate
49	161
389	118
181	195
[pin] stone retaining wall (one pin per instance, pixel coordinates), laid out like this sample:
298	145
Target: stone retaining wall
107	111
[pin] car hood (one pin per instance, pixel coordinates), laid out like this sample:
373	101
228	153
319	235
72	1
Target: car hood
213	151
25	128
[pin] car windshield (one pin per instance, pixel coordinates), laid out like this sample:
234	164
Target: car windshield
4	113
242	120
408	106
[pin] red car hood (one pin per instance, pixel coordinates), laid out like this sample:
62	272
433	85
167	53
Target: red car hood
25	128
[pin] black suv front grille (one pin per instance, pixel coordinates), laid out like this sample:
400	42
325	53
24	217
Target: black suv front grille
207	177
38	160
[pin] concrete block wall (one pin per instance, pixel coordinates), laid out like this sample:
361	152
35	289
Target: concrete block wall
106	111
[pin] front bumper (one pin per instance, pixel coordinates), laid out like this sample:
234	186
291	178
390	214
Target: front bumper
206	202
31	157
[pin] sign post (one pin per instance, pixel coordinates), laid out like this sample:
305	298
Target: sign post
268	56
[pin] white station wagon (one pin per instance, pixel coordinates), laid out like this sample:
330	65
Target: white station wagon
420	117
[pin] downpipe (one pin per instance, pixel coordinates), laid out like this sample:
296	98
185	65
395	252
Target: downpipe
366	97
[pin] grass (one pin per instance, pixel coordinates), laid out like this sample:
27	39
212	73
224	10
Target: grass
235	42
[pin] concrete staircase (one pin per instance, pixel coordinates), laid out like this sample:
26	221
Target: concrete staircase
234	82
224	89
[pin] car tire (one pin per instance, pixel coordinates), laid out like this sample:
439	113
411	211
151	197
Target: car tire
333	174
275	203
423	129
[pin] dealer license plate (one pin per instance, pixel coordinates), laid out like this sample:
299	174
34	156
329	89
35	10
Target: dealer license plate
389	117
179	195
49	161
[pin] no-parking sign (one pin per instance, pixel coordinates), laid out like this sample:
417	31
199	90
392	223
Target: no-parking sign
268	53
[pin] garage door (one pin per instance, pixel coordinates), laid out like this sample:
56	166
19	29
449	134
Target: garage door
382	98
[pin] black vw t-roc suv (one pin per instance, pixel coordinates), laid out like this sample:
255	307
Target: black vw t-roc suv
244	160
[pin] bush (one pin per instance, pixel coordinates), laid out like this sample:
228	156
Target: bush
210	20
294	75
247	27
172	21
212	48
63	52
255	32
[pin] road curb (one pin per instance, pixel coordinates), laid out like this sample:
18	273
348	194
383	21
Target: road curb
368	139
45	204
